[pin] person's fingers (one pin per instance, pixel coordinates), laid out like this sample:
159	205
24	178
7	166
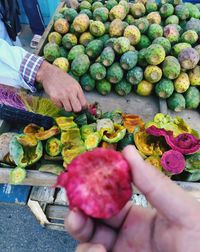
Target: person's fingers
88	247
56	102
66	104
76	106
82	98
118	219
159	190
79	225
104	235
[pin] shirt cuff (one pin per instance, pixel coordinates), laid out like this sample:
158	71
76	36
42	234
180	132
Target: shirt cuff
29	68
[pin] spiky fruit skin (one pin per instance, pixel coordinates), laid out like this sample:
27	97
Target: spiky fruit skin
87	12
190	37
107	56
114	73
104	38
142	57
96	5
69	40
125	4
142	24
107	26
103	87
164	88
70	14
121	45
129	19
192	98
151	6
85	5
133	34
116	28
172	20
75	51
188	58
171	33
61	26
154	18
110	42
155	31
153	74
94	48
51	52
155	54
73	76
97	28
194	76
182	83
117	11
129	60
81	23
135	75
193	24
171	67
101	14
193	10
137	10
197	48
144	42
85	38
89	171
87	83
164	43
97	71
63	52
144	88
182	12
166	10
55	37
179	47
62	63
176	102
58	16
123	88
110	4
80	65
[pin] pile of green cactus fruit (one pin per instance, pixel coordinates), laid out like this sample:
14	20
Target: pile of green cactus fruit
143	47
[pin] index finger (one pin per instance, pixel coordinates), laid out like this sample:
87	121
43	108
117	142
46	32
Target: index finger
167	197
82	98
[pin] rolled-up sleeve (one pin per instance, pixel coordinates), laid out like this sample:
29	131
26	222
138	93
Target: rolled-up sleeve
18	68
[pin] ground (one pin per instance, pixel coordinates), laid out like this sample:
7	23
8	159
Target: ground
19	229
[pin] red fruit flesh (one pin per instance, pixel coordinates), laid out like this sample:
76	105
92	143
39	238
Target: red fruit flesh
98	182
173	161
185	143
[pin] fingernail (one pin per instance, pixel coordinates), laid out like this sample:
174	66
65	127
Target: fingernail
95	248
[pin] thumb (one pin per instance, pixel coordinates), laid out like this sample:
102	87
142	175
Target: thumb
159	190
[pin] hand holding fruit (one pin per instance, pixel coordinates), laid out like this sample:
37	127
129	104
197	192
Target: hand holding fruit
63	90
172	226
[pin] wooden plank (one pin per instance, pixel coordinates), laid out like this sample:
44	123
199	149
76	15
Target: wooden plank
49	28
35	178
56	212
55	226
61	198
37	211
42	194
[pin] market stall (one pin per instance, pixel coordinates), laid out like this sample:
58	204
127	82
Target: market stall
137	60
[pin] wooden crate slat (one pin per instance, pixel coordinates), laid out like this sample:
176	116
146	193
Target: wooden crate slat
56	212
61	198
43	194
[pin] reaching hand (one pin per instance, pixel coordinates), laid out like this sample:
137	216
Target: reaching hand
172	226
63	90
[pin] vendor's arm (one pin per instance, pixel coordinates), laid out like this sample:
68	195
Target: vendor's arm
18	68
